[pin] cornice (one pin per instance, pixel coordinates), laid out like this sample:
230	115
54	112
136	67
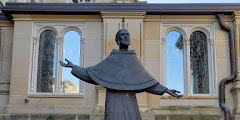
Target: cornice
104	8
36	17
236	16
123	14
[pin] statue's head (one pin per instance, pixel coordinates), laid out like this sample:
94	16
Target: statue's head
123	37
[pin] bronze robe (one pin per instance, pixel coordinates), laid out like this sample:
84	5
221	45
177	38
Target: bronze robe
123	75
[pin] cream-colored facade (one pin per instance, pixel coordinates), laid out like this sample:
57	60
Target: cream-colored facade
19	42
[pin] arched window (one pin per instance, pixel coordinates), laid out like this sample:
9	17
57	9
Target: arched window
71	51
188	61
50	45
199	63
46	62
174	61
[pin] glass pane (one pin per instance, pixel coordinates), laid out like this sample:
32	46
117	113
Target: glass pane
46	62
174	61
199	63
71	51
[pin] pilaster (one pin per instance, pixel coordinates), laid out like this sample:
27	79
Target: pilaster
236	88
112	22
132	21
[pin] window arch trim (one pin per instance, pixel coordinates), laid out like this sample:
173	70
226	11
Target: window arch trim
47	27
186	30
68	28
199	28
60	31
174	28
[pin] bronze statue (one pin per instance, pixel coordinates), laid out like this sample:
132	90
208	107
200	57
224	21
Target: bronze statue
122	75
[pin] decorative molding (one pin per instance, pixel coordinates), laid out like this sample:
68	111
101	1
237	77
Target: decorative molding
235	89
163	41
6	23
139	15
59	40
174	27
157	9
83	40
236	15
203	28
211	41
60	28
187	40
35	40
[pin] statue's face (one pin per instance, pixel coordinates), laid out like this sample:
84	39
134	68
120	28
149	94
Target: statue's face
124	38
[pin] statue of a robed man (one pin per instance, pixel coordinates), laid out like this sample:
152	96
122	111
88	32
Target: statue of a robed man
122	74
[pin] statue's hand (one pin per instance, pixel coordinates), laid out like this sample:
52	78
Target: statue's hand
173	93
69	64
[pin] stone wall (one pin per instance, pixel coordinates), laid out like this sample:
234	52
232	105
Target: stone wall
147	34
20	76
6	44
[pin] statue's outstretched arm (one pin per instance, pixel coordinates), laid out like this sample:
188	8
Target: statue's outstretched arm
78	72
157	89
160	90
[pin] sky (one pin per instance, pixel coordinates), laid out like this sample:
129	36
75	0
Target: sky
174	63
192	1
71	51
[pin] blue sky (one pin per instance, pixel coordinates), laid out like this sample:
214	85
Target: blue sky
192	1
174	63
71	51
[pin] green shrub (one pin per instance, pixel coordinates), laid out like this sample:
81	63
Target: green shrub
50	117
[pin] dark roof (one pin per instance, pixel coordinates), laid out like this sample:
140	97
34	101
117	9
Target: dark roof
96	8
3	17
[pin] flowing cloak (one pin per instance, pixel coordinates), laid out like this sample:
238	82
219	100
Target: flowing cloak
121	71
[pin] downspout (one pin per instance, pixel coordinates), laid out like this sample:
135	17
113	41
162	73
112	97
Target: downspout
233	75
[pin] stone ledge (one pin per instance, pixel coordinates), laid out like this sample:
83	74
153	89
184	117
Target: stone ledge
42	117
186	117
55	96
101	117
191	97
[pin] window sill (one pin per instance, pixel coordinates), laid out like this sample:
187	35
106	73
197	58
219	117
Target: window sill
191	97
54	96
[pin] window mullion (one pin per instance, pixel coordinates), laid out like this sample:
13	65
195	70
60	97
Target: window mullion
187	74
34	66
163	62
214	68
82	59
211	66
58	67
